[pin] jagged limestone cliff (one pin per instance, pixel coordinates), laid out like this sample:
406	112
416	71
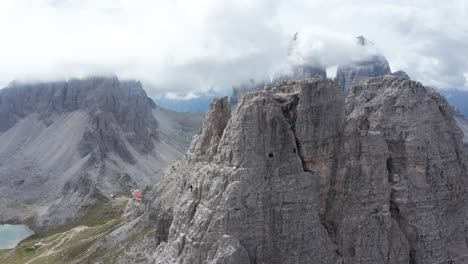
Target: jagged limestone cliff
299	175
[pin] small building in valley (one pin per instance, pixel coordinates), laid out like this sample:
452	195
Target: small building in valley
38	244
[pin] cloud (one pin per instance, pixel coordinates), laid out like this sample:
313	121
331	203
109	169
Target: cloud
427	39
182	46
315	46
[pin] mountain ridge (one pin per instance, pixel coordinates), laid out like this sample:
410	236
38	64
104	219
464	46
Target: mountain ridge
65	144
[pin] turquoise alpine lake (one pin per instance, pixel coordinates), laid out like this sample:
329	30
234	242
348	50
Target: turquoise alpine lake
11	235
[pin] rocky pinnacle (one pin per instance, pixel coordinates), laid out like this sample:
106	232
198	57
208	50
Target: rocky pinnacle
368	66
299	174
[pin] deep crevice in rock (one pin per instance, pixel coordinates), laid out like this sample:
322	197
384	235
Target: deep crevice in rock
391	170
289	106
395	214
412	257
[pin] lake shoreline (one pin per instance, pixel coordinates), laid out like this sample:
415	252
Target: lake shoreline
11	235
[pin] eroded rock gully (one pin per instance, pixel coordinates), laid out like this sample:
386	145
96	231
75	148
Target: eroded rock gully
299	174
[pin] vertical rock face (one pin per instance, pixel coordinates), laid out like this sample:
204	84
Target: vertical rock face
254	200
350	74
364	68
298	175
400	187
243	88
463	123
205	145
317	120
305	72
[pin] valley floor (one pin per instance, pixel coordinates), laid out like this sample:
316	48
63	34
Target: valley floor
68	243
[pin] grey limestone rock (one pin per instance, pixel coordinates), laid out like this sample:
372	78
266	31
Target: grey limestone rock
256	191
239	90
227	250
401	74
372	65
354	72
400	188
205	144
463	123
301	175
305	72
299	72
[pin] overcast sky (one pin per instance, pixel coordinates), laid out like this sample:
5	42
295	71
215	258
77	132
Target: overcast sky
182	46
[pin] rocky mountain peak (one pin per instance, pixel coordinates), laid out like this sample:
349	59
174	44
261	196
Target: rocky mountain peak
401	74
362	41
301	175
299	71
205	145
113	106
354	72
358	70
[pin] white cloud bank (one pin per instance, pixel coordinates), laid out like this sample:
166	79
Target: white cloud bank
183	46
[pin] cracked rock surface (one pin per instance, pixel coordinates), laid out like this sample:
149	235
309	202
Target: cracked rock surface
299	174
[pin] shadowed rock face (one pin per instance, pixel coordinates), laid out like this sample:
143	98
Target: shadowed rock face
463	123
243	199
114	108
356	71
401	74
402	193
306	72
299	175
243	88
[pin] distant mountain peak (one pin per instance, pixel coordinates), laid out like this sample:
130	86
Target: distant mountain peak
299	70
111	104
362	41
372	65
79	138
